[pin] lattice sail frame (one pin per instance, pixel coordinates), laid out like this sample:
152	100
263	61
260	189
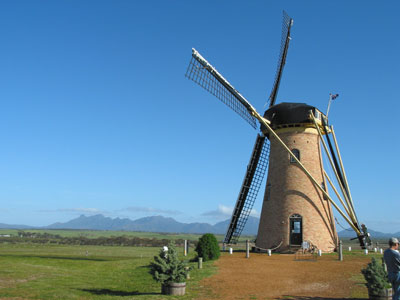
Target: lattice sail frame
201	72
252	182
287	23
205	75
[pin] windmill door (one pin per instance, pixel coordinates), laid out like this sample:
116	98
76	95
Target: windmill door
296	230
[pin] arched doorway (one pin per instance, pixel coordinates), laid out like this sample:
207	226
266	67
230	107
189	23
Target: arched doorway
296	230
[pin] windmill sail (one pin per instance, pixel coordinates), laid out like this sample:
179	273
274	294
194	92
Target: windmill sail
205	75
286	25
248	192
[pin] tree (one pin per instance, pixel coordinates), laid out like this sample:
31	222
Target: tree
376	277
167	267
208	247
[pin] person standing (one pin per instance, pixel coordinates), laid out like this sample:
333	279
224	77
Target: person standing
392	260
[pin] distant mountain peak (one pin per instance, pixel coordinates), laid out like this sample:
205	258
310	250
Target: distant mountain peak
150	224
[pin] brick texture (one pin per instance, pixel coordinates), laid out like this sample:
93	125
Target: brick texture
292	192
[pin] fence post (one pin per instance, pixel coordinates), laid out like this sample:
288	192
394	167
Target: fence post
384	264
185	248
247	249
200	265
340	251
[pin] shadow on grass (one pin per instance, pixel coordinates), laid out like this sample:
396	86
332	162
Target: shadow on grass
291	297
56	257
144	267
109	292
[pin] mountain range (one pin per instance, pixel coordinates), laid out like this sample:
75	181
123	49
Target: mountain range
165	225
151	224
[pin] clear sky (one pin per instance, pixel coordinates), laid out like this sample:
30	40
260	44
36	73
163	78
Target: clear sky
96	115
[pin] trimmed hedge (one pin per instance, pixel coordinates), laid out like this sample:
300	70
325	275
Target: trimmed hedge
208	247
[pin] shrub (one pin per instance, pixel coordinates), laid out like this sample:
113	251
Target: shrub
167	267
376	277
207	247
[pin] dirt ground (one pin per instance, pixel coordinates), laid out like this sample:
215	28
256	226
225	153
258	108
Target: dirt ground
283	277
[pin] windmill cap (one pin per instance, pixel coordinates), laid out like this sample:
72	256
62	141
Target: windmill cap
289	113
393	240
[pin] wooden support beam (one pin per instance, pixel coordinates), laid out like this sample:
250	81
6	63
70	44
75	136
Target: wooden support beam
348	203
342	166
275	135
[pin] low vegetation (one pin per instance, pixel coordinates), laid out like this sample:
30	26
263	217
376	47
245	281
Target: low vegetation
48	238
51	271
168	267
207	247
375	276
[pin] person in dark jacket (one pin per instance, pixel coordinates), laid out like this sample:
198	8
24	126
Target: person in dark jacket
392	260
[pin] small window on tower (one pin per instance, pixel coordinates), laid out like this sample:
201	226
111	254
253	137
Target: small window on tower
296	153
317	114
267	192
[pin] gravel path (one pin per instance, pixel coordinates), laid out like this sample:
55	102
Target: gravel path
283	277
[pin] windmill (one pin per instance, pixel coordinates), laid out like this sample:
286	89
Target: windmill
296	205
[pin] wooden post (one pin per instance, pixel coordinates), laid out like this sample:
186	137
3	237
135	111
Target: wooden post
340	251
384	264
247	249
200	264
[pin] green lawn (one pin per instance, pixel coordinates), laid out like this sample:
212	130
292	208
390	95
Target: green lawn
104	233
109	233
29	271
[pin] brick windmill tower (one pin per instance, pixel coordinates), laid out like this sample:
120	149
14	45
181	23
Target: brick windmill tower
297	207
294	210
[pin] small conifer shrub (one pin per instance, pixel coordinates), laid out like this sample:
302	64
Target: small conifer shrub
208	247
376	277
167	267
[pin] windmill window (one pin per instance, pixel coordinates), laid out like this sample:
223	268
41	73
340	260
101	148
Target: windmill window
267	192
317	114
296	153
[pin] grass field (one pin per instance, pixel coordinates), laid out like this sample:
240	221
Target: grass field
69	272
105	233
109	233
52	271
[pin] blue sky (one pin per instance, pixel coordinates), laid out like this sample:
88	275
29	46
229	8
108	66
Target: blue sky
97	116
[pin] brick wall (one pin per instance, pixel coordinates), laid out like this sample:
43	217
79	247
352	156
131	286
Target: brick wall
292	192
